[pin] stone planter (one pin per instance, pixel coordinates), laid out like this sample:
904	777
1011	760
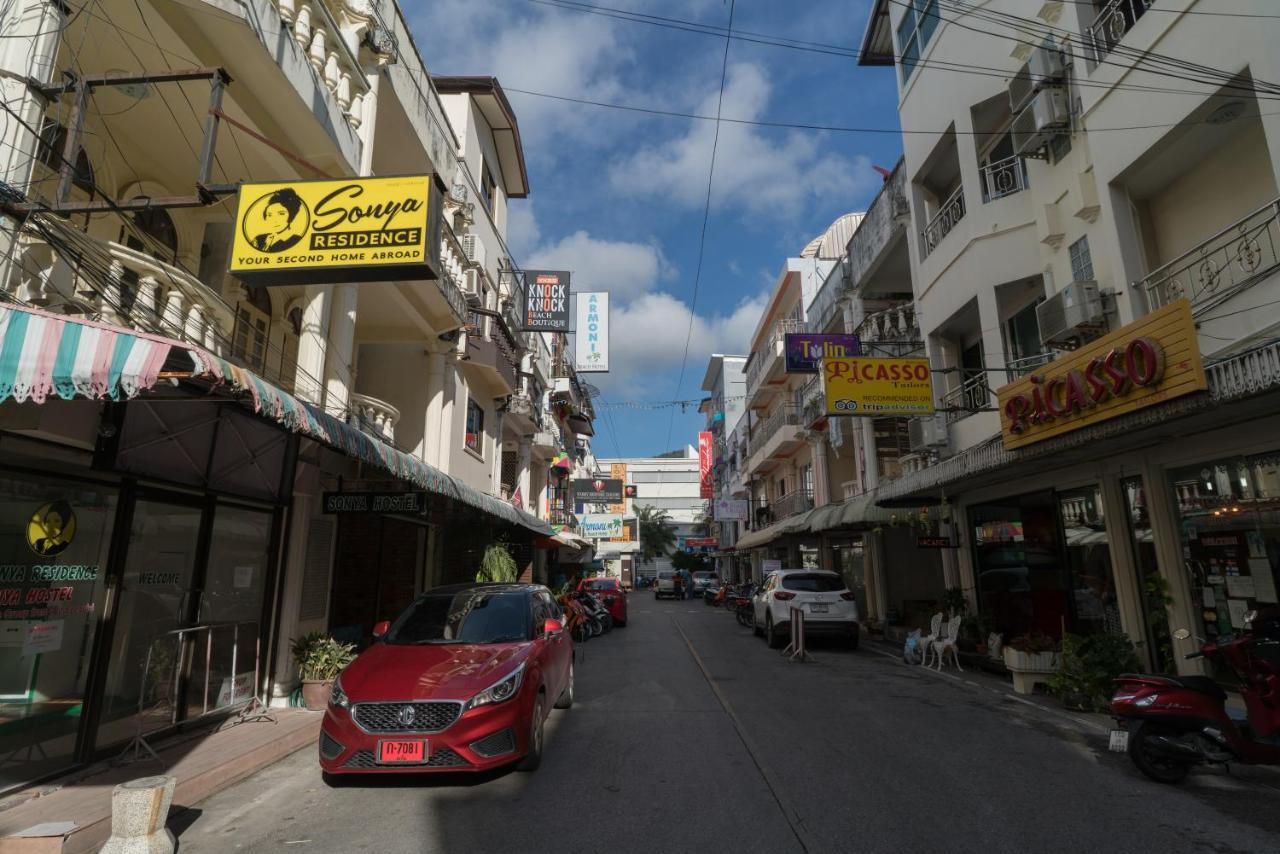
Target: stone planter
315	694
1028	668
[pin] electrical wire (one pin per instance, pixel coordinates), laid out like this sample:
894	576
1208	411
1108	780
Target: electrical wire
706	214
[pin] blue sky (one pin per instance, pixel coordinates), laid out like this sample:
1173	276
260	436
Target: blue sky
618	197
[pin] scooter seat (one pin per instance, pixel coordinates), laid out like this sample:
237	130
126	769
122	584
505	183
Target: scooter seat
1202	684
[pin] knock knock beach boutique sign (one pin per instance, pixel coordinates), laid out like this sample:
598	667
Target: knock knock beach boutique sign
806	350
877	387
324	232
546	301
1154	359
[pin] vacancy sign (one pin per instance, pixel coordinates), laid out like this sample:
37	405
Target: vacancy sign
591	341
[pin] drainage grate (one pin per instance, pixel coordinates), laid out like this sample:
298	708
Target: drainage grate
495	745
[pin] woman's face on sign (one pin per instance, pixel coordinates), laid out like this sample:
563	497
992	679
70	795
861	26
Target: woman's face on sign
276	217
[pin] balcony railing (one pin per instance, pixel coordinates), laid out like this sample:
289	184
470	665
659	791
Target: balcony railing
973	395
1231	261
453	269
799	501
1114	20
813	404
947	217
770	349
525	406
320	38
1003	178
787	415
373	416
1017	368
492	344
897	325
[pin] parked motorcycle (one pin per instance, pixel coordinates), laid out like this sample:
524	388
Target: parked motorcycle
598	615
741	604
575	619
1168	724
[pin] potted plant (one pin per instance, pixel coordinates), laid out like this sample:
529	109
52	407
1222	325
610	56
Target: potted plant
1088	668
1031	658
320	659
498	565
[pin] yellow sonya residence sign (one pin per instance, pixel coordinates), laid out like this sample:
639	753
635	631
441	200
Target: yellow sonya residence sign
348	230
877	387
1154	359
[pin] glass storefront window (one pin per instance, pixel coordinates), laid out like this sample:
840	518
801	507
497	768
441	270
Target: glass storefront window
850	562
1088	554
1154	588
54	539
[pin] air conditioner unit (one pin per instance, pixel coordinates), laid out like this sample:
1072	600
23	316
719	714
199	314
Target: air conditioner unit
1071	315
471	282
1046	67
927	433
1046	114
473	248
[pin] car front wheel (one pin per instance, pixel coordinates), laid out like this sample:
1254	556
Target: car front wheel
533	758
566	696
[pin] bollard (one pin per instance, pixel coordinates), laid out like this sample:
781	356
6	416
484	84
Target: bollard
139	811
796	650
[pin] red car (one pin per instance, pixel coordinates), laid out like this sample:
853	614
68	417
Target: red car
611	594
463	680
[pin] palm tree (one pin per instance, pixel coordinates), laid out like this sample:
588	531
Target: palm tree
657	534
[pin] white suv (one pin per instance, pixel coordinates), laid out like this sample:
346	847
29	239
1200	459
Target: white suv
829	607
664	584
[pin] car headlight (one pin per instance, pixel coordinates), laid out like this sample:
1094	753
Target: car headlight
337	696
500	691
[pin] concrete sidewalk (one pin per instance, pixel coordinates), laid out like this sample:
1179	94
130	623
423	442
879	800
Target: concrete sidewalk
204	762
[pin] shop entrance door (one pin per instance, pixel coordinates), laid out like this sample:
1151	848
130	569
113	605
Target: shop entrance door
157	593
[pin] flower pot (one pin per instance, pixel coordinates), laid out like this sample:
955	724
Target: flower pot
315	694
1028	668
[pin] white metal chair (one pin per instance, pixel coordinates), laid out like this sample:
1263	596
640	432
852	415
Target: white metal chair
926	641
950	634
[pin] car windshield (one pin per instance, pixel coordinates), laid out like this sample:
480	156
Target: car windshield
468	616
812	582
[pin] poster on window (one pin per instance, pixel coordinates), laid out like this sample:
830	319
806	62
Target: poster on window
706	486
591	339
546	301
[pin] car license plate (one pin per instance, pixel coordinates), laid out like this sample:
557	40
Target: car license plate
402	752
1119	740
818	608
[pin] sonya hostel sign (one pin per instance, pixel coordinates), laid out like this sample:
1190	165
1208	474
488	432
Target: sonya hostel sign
805	350
546	301
326	232
1147	362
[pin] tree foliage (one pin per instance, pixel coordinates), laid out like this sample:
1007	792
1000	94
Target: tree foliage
498	565
657	534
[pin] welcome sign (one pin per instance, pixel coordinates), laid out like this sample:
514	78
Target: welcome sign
325	232
546	301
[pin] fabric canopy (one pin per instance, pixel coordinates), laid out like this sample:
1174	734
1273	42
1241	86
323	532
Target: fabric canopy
852	513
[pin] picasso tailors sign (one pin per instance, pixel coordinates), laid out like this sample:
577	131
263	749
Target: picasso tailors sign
876	387
349	230
591	338
546	301
1147	362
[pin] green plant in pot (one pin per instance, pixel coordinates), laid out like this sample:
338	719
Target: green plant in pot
320	659
1089	666
498	565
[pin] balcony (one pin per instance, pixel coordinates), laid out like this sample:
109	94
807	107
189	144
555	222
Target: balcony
375	417
893	332
492	347
1114	20
942	223
778	434
766	362
793	504
1233	260
972	395
525	411
1003	178
453	269
813	406
1017	368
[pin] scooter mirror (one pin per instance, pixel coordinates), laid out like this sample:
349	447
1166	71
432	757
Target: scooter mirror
1182	634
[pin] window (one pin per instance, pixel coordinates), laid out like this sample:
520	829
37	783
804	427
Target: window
914	31
1022	334
475	427
816	582
1081	260
488	188
249	342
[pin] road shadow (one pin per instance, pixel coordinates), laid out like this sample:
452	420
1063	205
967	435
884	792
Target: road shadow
181	818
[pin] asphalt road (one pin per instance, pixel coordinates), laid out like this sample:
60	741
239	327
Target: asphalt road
688	734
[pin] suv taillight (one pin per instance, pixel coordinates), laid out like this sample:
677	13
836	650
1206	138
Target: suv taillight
784	595
847	596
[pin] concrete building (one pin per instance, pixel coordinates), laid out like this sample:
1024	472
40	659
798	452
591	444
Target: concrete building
670	483
725	382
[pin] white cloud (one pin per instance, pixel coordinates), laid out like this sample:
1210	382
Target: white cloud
758	170
523	232
626	269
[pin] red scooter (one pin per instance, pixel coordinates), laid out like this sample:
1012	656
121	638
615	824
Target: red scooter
1170	723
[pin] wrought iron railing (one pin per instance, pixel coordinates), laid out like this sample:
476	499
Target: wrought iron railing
1231	261
793	504
770	349
1114	20
1003	178
1016	368
972	395
786	415
947	217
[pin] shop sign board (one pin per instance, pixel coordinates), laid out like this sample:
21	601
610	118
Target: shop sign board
618	471
597	491
546	301
730	510
591	338
631	491
936	543
1150	361
877	387
701	542
706	487
770	566
806	350
601	526
628	534
375	502
327	232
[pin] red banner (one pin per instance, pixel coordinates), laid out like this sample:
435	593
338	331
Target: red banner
706	457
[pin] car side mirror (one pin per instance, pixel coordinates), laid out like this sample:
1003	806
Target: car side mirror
552	627
380	629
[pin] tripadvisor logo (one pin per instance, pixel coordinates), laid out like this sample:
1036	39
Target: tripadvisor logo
51	529
276	221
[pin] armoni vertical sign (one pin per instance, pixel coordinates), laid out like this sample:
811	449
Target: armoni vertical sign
591	343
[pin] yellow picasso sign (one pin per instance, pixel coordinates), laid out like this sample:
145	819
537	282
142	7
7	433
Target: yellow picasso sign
349	230
1147	362
877	387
